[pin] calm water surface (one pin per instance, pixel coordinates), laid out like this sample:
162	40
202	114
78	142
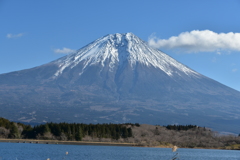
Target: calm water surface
26	151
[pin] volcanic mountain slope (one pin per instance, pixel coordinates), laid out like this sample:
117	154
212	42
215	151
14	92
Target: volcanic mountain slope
118	78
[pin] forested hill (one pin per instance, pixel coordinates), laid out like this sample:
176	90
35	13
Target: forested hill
190	136
64	131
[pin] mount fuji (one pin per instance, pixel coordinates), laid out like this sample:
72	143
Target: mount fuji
118	78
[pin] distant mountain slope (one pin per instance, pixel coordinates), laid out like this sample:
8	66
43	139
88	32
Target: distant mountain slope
118	78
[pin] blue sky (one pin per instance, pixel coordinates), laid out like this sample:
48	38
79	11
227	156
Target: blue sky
202	34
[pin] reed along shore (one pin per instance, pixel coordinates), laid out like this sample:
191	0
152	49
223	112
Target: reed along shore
34	141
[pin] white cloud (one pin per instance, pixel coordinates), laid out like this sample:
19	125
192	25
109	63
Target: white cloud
14	35
199	41
64	51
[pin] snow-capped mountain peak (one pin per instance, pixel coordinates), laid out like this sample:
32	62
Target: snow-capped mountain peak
116	49
118	78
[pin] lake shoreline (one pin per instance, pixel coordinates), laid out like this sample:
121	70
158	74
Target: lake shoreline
37	141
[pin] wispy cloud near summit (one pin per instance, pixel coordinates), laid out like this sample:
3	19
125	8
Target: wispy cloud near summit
14	35
64	51
199	41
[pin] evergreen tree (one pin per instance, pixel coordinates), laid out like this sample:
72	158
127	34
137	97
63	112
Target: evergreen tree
46	129
14	133
129	132
124	132
79	135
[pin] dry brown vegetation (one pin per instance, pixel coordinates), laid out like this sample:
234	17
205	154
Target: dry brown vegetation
149	135
159	136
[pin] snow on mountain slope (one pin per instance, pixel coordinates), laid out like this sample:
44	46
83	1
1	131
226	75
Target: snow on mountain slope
118	48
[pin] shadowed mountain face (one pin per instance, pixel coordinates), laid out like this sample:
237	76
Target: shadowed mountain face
118	78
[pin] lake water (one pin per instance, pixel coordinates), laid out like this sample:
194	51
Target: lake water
26	151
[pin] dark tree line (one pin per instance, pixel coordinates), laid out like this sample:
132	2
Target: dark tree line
181	127
64	131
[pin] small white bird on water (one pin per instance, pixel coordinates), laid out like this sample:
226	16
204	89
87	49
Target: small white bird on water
174	149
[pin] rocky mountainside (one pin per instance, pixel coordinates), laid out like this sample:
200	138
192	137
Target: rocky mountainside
118	78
